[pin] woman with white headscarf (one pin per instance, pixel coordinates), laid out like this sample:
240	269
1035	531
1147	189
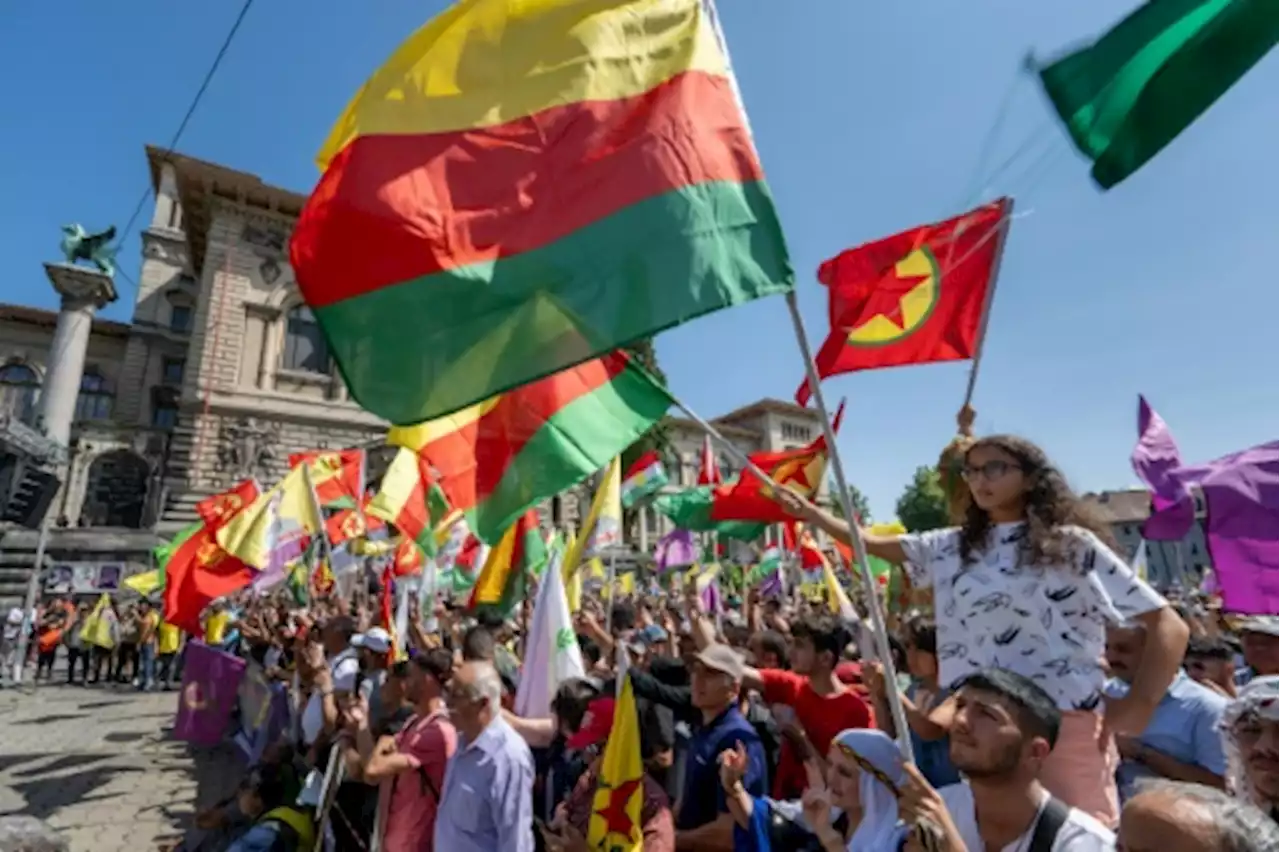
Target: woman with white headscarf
854	808
1250	725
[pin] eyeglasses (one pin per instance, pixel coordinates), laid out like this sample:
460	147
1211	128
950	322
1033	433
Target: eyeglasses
994	469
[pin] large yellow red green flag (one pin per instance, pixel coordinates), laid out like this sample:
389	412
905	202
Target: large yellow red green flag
497	458
517	554
524	186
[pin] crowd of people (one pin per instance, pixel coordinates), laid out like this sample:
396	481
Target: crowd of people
113	642
1055	703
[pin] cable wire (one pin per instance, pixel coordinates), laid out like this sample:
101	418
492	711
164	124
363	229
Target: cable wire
186	119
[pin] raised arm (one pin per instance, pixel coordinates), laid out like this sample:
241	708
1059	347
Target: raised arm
886	547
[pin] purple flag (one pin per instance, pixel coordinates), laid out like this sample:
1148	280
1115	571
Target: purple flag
1242	496
210	683
771	586
674	549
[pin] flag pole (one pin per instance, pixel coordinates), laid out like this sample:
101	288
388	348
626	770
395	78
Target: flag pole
732	448
855	535
1005	221
612	581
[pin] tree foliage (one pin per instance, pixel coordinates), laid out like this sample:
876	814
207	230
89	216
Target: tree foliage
923	504
861	508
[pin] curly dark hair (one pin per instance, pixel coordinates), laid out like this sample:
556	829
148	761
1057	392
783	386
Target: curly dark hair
1051	506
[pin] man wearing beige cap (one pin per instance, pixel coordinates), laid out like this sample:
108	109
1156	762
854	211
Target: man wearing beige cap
703	822
1259	639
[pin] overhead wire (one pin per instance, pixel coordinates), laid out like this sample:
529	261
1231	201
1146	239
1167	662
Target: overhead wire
127	231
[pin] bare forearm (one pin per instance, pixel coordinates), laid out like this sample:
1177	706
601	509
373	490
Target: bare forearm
1176	770
715	836
741	807
1162	657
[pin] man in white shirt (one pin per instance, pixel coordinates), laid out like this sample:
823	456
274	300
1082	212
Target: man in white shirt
1005	727
337	673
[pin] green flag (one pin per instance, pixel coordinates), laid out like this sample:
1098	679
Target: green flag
691	510
1127	96
164	551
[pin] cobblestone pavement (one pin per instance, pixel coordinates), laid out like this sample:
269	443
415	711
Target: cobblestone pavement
97	763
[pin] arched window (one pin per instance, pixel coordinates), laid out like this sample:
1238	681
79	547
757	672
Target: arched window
94	401
305	349
19	390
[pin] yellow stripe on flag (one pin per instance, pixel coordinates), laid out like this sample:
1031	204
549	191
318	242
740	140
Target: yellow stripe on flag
538	53
402	478
417	436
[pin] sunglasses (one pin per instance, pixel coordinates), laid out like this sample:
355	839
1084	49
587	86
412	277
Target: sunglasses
994	469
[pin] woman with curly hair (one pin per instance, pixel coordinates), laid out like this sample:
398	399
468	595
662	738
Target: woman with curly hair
1029	583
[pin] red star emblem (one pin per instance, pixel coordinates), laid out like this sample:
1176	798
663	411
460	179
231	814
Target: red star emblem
886	299
616	818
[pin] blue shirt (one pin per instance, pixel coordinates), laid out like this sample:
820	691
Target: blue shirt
1184	726
702	768
487	801
933	757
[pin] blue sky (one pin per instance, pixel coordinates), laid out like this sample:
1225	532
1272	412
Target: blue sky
870	118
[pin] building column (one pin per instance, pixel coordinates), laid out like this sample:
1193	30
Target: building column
83	292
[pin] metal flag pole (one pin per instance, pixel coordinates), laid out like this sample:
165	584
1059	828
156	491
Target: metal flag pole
29	603
612	581
1005	221
855	535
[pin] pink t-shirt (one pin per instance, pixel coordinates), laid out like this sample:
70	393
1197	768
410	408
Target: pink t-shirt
409	798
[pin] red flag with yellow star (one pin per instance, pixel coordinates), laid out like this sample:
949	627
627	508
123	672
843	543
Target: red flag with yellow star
216	510
801	469
917	297
336	475
199	572
615	811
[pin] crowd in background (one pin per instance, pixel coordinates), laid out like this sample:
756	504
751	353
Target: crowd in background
1053	700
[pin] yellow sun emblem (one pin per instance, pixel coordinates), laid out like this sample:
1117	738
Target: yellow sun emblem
901	303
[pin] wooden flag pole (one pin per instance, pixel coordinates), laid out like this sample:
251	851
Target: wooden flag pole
859	547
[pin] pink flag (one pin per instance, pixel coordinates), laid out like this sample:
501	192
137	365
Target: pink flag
674	549
1242	497
210	681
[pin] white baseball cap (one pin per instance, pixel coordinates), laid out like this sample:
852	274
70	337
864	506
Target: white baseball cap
374	639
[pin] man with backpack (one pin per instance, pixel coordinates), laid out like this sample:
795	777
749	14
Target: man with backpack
408	765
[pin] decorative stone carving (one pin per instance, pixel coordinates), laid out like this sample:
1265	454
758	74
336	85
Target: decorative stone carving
270	239
247	447
267	244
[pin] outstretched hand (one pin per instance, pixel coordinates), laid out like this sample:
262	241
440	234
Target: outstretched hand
793	504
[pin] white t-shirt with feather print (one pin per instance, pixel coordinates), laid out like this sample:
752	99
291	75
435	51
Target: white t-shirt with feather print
1045	622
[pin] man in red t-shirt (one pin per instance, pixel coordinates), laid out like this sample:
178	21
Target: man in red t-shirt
823	706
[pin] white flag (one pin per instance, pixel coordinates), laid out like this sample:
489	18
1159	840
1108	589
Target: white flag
1139	562
553	655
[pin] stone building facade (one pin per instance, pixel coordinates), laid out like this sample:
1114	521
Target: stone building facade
1170	564
222	372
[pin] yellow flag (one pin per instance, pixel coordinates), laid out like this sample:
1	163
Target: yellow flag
144	583
97	629
608	492
836	597
606	532
615	811
276	526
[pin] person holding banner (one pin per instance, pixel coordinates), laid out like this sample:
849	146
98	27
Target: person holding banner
1028	583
